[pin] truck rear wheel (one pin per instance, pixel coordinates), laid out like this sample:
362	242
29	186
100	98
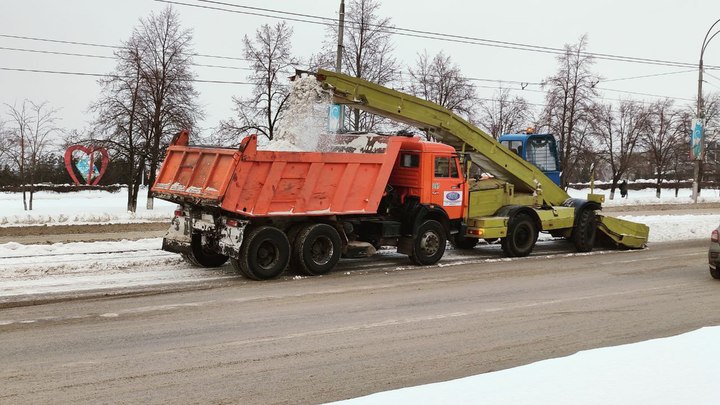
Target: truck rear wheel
201	256
264	254
317	249
521	236
429	245
583	235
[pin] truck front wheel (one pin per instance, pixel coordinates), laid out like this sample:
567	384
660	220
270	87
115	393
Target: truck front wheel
429	245
202	257
264	254
521	236
316	249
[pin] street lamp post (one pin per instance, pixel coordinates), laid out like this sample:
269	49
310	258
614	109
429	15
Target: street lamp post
701	110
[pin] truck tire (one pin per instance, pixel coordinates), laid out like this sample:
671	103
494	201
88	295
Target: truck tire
264	254
521	236
463	242
583	235
317	249
429	244
715	272
202	257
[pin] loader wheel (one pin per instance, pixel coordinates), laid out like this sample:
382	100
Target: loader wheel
200	256
463	242
583	235
264	254
317	249
429	245
521	236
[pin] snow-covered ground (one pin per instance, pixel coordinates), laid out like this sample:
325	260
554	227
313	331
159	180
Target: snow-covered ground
676	370
85	207
670	371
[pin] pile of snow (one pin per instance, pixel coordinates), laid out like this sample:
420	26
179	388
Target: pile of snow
675	370
303	127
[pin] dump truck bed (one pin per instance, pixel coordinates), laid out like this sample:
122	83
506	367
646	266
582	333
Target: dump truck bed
351	179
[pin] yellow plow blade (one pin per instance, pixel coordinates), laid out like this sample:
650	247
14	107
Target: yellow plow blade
632	235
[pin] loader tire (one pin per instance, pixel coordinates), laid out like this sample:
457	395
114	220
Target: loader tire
429	244
583	235
521	236
316	250
200	256
264	253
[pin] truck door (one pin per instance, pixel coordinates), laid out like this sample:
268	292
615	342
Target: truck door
447	185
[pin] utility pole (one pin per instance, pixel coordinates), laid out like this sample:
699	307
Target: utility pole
338	60
341	31
700	115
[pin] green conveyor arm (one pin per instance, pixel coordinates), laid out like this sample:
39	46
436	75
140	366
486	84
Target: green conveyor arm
446	127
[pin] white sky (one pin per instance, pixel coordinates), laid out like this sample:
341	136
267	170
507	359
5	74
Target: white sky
664	29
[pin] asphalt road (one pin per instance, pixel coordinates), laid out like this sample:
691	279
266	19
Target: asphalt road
350	333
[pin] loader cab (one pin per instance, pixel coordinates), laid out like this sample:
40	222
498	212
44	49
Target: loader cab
538	149
432	173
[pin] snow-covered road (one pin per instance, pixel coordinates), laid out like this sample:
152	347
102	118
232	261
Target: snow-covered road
75	267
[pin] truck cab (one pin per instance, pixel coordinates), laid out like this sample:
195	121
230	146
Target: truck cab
431	172
538	149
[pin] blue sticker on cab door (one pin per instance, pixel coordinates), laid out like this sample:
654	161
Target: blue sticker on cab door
452	199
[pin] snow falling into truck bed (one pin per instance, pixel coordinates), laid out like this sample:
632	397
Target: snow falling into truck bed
303	126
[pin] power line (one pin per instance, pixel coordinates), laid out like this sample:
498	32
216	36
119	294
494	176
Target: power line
329	21
644	94
107	57
60	41
244	68
62	72
649	75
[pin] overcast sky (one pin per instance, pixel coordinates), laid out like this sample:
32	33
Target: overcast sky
662	30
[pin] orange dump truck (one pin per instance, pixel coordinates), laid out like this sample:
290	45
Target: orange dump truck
266	209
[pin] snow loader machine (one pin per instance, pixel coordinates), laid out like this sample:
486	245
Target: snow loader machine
517	200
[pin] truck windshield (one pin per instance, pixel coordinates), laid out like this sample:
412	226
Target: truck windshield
541	153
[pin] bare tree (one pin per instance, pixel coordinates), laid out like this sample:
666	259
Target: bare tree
439	80
32	129
568	102
618	129
172	98
149	97
712	130
5	143
664	138
504	114
367	54
270	55
712	116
